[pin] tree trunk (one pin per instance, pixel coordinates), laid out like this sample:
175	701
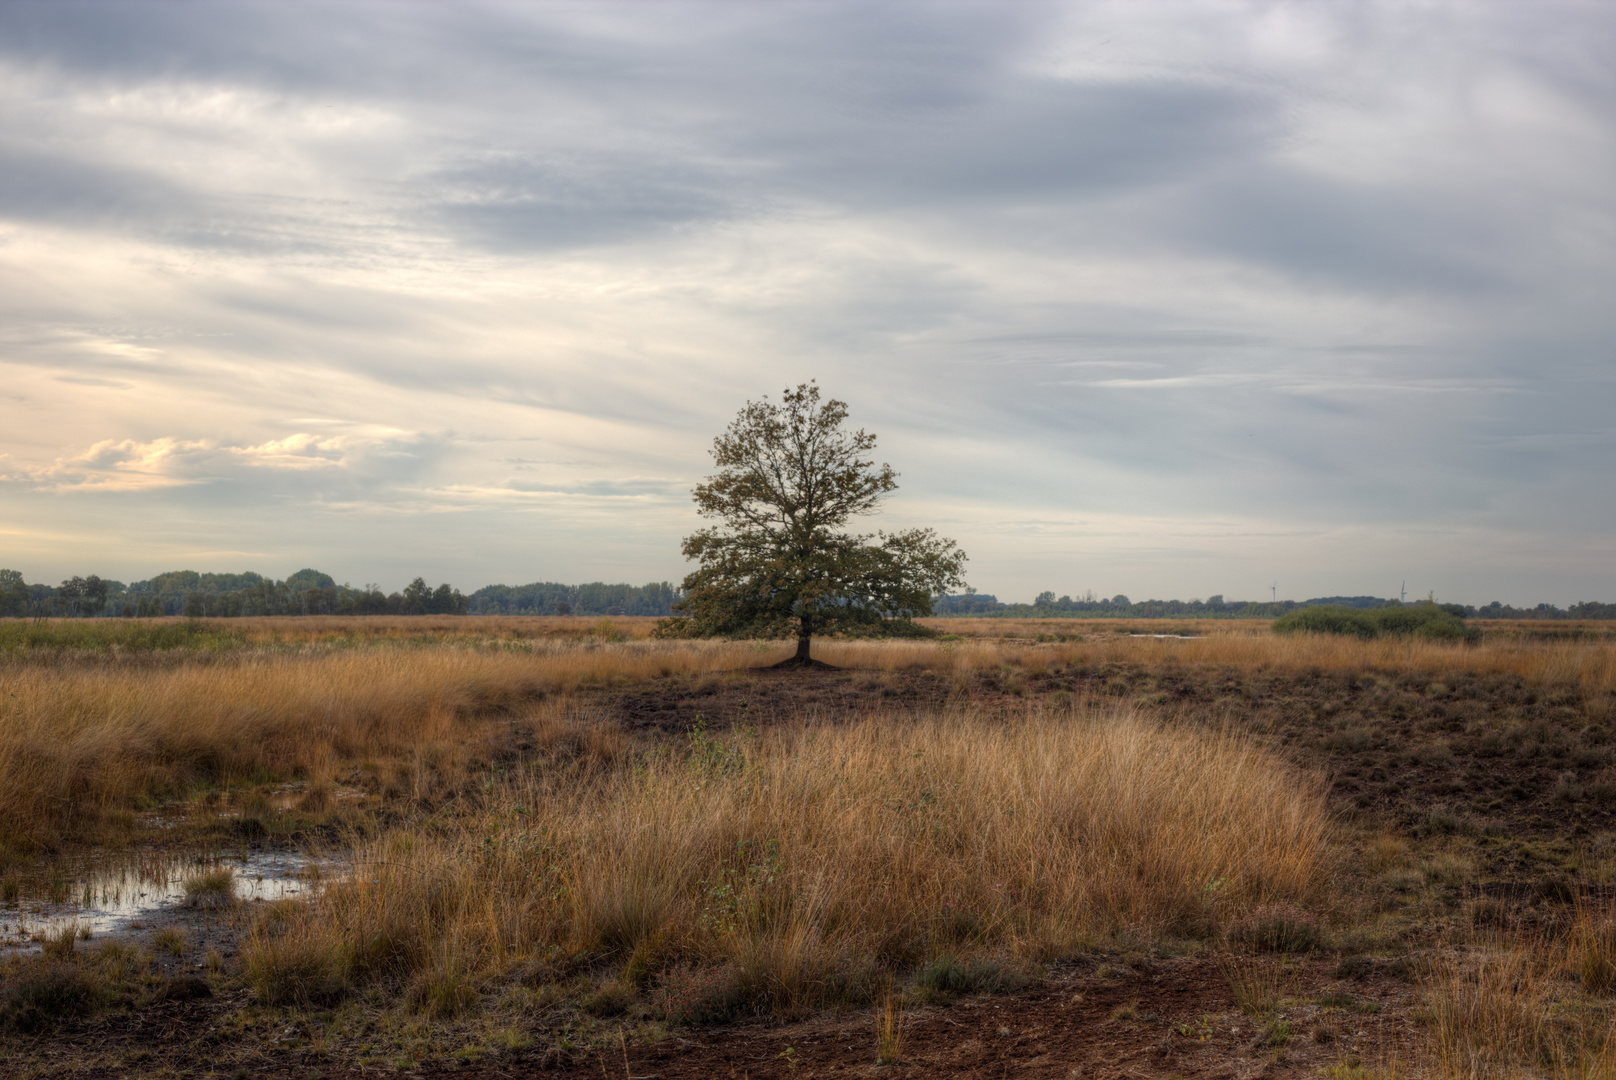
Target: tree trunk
804	632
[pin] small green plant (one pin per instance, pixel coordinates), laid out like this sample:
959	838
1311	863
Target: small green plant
707	754
171	942
1199	1030
1277	1034
736	897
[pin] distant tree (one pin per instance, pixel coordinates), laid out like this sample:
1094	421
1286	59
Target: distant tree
14	598
416	595
1044	599
789	480
70	597
93	599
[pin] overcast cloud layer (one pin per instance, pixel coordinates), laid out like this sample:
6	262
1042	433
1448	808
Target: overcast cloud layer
1164	299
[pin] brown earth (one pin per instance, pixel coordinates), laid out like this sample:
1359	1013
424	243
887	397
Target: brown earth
1169	1017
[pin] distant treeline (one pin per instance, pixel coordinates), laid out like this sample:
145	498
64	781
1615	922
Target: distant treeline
1048	606
186	592
310	592
595	598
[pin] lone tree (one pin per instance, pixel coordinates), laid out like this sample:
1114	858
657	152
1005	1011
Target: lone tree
781	563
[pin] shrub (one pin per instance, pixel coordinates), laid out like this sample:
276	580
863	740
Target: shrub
1427	621
1326	619
947	975
1277	928
609	999
697	995
47	992
291	965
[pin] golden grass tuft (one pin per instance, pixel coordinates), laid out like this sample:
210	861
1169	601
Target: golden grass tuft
889	1030
803	853
210	888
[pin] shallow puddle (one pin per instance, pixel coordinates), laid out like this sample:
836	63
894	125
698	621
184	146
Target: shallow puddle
107	896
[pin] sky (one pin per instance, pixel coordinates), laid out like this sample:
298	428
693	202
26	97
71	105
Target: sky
1164	299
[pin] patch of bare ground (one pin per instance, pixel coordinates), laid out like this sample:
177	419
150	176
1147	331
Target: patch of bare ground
1097	1017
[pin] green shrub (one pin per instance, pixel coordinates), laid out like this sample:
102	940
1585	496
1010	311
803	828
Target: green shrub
1424	620
103	635
1323	619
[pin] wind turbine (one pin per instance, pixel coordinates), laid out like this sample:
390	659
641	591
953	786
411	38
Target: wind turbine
1274	592
1402	596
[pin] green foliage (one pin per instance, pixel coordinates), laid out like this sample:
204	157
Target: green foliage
103	636
1423	620
591	598
947	975
789	480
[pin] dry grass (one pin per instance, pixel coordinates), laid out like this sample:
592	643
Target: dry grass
1258	985
798	857
1593	947
82	736
1511	1007
1590	665
79	740
889	1030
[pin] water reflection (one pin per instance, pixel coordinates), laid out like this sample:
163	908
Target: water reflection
106	896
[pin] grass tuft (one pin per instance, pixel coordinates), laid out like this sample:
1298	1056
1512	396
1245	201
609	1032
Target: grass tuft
210	888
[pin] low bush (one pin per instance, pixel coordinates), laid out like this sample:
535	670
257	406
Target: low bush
1425	621
947	975
1277	928
43	993
694	995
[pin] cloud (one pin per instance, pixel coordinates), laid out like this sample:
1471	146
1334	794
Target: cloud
127	465
1305	268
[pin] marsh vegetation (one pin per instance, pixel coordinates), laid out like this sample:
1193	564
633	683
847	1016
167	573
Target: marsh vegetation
544	838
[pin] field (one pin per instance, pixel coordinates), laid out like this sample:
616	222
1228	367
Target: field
1048	847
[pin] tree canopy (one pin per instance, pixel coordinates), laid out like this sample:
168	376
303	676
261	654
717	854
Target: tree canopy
780	562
